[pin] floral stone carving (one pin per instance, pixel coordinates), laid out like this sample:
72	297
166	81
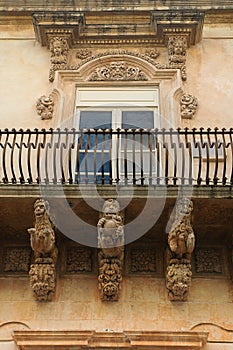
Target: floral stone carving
42	239
177	46
59	55
45	107
118	70
181	241
111	250
188	106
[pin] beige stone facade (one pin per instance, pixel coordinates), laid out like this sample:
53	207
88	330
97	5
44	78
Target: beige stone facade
154	269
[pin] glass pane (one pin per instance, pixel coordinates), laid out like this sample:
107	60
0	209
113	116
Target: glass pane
138	119
95	119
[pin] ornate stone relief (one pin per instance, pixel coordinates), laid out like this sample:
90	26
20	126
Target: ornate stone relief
45	107
177	46
153	53
17	259
111	250
59	48
118	70
42	239
78	260
208	260
82	54
181	241
143	260
188	106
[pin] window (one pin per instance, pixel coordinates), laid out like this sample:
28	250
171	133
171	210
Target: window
107	156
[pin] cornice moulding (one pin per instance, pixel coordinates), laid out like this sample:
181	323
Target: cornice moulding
46	340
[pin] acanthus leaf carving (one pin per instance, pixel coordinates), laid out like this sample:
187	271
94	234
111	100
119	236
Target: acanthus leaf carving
45	107
42	239
111	251
181	241
118	70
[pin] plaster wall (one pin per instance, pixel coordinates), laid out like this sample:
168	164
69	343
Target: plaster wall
24	69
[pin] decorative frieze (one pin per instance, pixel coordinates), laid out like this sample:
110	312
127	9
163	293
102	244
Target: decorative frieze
188	106
118	70
17	259
181	241
111	250
208	260
45	107
177	46
42	239
143	260
78	259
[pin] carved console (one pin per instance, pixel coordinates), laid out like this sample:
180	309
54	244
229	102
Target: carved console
111	251
45	107
181	241
177	46
42	238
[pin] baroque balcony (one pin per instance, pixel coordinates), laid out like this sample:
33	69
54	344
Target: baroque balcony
123	156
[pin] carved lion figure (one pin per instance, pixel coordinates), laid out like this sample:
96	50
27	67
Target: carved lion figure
42	236
181	237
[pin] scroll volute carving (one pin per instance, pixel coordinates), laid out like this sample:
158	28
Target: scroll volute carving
181	241
111	250
42	238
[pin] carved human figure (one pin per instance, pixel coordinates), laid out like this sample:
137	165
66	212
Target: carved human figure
177	46
42	236
59	55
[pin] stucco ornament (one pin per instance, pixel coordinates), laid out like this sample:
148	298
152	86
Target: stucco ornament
111	250
188	106
118	70
45	107
42	239
177	47
59	55
181	241
82	54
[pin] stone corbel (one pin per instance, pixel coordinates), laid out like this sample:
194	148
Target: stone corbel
111	250
181	242
177	46
42	238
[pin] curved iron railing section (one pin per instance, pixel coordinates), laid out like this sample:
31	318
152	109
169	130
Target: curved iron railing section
106	156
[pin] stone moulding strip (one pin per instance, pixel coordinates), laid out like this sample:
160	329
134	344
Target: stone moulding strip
48	340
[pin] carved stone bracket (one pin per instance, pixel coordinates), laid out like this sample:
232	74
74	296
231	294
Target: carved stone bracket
111	251
188	106
59	48
42	239
181	241
177	46
45	107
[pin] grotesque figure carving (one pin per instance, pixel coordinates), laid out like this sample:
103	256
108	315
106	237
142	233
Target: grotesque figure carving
42	272
177	46
181	237
181	241
111	253
42	237
59	55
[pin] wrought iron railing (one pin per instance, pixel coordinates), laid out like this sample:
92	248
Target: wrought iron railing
130	156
